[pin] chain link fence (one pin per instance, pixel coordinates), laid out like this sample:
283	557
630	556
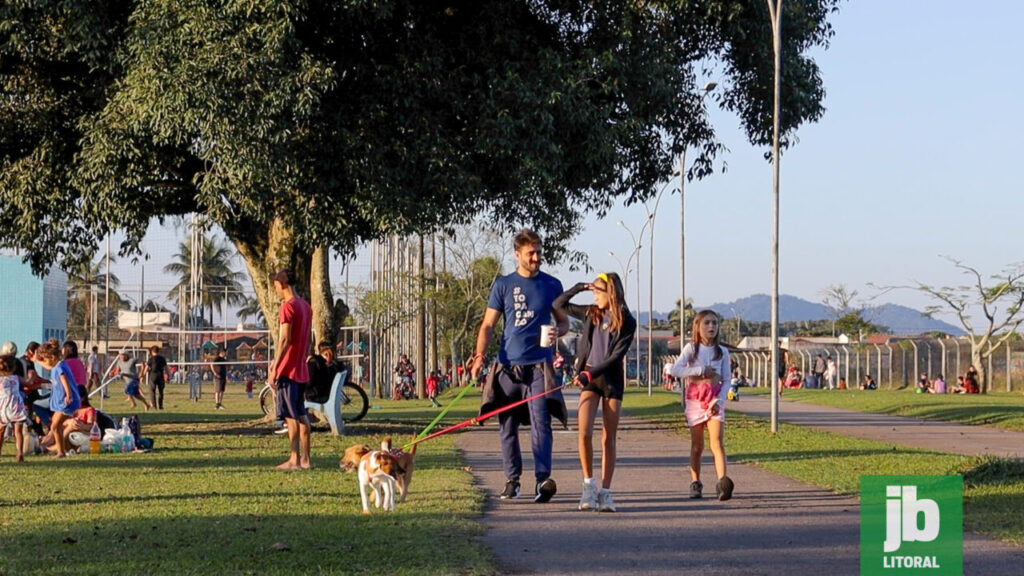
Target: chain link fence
896	363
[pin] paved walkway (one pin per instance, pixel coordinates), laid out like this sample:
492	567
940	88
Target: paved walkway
930	434
773	525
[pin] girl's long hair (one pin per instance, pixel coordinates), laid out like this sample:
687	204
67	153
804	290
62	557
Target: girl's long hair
696	337
616	302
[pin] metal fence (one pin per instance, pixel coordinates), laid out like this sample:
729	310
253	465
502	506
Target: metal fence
895	364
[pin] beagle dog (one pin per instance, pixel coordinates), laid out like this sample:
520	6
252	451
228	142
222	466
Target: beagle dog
377	472
353	454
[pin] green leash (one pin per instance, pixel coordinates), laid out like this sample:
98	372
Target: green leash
443	412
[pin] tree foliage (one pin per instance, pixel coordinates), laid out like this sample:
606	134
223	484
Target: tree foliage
295	125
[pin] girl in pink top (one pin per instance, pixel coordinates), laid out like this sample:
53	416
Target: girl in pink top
702	367
69	353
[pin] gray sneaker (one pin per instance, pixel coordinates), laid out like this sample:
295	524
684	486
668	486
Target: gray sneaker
588	499
696	489
605	503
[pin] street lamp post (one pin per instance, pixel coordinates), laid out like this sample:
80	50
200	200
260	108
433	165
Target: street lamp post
625	271
682	233
775	11
651	215
636	252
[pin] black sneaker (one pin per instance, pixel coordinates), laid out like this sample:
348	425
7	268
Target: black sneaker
511	490
546	490
696	489
724	488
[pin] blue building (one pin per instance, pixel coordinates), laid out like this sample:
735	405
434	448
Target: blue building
31	308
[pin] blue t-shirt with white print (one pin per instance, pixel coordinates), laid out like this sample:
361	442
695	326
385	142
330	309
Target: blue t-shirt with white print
526	304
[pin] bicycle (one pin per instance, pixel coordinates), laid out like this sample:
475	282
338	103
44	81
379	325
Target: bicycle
352	395
404	390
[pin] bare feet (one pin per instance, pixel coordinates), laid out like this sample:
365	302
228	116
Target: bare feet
20	458
306	465
59	455
287	465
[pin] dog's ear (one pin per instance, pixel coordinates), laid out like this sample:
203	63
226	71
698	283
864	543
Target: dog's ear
385	445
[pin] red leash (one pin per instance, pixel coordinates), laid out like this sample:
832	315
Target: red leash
480	419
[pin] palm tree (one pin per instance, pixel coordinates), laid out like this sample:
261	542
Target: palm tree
85	282
221	284
252	309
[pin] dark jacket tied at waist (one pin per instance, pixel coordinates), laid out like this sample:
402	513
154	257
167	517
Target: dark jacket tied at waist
493	397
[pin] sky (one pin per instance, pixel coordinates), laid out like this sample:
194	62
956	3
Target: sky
915	159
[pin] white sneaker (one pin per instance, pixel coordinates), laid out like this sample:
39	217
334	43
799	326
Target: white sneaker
588	499
605	503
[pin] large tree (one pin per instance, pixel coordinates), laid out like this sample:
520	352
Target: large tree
302	125
999	299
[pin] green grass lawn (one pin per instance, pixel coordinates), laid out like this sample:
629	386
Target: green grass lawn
207	500
1000	409
993	488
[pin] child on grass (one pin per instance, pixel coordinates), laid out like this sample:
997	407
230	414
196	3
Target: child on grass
64	398
702	367
432	387
12	405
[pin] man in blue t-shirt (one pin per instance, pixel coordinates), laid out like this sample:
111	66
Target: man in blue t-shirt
524	299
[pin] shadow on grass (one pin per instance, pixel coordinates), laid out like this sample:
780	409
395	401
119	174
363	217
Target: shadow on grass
813	454
975	415
253	543
168	462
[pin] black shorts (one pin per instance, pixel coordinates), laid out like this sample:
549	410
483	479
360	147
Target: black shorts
290	401
219	385
605	389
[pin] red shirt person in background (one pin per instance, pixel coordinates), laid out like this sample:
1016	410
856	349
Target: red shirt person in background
288	373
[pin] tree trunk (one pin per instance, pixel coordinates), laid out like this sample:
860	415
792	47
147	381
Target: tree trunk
321	299
977	359
266	250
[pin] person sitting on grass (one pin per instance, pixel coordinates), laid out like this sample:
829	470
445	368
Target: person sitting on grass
938	386
794	378
81	421
966	385
923	386
869	383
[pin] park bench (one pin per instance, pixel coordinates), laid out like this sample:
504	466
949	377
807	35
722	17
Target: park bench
331	409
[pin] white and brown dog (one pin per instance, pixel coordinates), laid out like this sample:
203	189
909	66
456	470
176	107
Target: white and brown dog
377	472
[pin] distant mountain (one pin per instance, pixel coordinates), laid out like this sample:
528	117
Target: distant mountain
642	317
899	319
